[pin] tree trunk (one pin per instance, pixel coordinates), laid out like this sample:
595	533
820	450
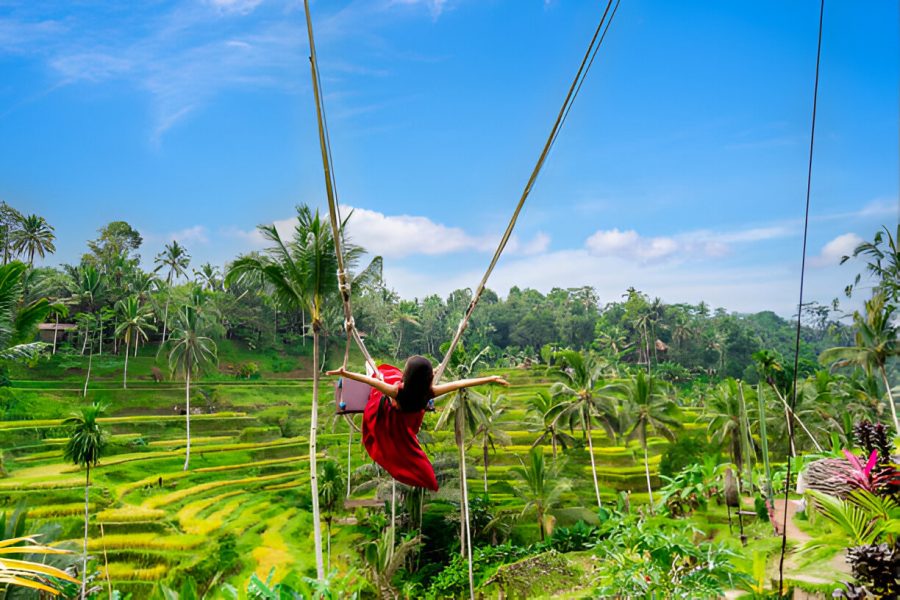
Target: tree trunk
187	414
84	344
115	339
464	492
125	373
87	487
553	442
393	519
328	540
55	333
593	464
485	450
647	471
745	436
313	474
763	439
540	517
165	318
87	377
890	395
349	449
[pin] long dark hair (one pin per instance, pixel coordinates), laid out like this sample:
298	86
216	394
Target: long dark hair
416	390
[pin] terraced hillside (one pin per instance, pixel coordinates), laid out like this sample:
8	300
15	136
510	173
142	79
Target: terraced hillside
246	494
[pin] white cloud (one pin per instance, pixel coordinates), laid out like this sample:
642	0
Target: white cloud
435	7
702	243
395	236
833	251
242	7
537	245
400	236
630	245
769	287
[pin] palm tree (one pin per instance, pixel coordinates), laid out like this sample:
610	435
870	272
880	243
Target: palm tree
769	367
86	444
405	314
651	409
876	342
27	573
175	259
726	415
189	352
57	310
303	273
209	277
884	262
18	323
465	408
34	236
489	429
10	223
582	396
539	405
540	487
133	325
331	493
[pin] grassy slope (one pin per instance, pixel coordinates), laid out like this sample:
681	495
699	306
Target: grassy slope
245	478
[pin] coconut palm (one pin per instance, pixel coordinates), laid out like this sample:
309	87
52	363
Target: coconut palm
490	429
10	222
134	323
209	277
883	253
539	405
331	493
651	408
175	260
303	274
583	396
27	573
726	413
86	444
405	315
189	352
876	342
540	487
18	323
57	310
34	236
465	409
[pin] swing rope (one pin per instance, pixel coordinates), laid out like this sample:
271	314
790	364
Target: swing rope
333	210
812	138
337	223
583	69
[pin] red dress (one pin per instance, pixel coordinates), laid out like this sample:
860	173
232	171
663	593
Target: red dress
389	435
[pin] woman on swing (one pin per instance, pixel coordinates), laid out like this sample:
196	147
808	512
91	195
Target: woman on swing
394	412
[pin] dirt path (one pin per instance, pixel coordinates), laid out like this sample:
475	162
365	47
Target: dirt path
794	534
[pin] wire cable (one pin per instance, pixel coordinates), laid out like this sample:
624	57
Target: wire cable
812	139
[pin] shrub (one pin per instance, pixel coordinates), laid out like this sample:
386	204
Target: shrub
580	536
685	451
248	370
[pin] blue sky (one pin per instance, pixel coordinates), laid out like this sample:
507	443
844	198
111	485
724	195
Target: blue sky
681	169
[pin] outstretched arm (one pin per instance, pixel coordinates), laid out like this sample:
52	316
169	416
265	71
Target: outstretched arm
452	386
385	388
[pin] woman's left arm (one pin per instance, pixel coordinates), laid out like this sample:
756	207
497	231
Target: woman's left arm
452	386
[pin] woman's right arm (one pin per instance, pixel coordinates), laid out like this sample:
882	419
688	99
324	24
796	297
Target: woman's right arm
385	388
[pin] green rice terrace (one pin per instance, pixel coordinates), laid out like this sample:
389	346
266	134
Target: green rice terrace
248	485
675	376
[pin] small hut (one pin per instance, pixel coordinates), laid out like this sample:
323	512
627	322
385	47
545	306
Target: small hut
47	331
